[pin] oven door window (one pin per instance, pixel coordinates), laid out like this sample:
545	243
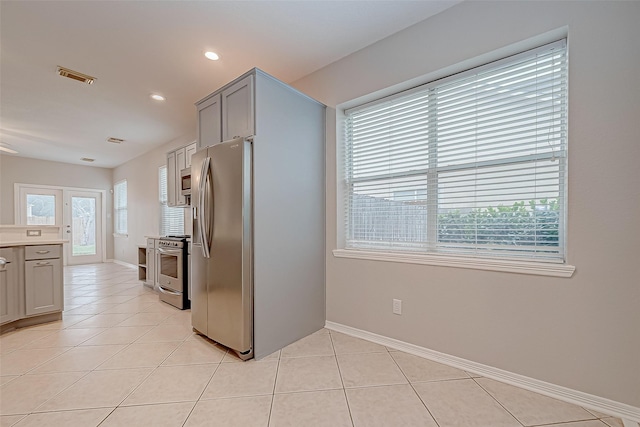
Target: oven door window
169	265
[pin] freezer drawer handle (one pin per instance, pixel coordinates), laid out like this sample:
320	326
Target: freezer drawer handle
168	292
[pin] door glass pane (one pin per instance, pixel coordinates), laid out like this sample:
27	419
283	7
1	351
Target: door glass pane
41	209
84	225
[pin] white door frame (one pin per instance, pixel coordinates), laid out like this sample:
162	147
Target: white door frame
17	205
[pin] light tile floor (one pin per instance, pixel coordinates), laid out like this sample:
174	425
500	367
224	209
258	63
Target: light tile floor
120	357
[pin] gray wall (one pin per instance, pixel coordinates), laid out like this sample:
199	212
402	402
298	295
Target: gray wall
23	170
143	209
583	332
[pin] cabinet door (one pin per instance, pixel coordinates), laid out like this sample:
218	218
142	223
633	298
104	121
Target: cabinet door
151	266
237	110
209	122
8	286
189	151
171	178
180	164
43	286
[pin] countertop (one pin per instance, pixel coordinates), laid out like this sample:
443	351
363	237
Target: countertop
8	243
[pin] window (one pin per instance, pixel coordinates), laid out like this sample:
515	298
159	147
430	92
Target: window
471	165
41	209
171	219
120	208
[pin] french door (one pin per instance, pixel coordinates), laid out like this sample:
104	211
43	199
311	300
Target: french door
83	226
79	212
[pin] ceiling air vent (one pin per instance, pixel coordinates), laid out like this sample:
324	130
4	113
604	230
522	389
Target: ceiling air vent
115	140
65	72
86	159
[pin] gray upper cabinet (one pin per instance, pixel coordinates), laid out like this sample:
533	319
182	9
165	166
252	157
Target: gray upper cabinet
177	160
228	113
190	150
43	279
237	110
171	178
209	124
8	285
181	163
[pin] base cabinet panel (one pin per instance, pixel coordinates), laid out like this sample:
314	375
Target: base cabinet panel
8	286
43	286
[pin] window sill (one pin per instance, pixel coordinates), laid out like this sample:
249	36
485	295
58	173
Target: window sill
509	266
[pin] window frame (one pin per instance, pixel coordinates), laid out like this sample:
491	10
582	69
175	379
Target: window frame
430	256
118	230
164	204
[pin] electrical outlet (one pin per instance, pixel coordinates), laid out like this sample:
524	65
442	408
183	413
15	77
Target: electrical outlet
397	306
34	233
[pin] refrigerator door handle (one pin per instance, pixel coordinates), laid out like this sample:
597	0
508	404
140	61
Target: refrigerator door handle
209	209
205	208
204	237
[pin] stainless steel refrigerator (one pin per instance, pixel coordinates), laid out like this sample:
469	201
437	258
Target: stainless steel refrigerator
221	255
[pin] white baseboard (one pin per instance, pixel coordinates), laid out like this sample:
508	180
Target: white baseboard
122	263
629	414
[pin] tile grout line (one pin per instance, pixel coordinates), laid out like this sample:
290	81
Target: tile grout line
344	390
273	393
203	390
499	403
414	389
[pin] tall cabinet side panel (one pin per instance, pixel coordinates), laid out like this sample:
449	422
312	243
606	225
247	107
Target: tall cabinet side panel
289	216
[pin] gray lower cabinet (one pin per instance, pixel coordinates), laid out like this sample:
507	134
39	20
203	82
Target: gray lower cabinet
8	285
43	279
151	263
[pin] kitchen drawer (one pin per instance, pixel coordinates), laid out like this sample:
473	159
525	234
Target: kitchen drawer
42	252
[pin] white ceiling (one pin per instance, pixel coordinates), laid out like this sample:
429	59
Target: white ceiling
135	48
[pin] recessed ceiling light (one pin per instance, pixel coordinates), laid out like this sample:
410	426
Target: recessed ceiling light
212	55
8	150
87	159
157	97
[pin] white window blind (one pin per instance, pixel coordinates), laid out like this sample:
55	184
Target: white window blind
120	207
473	164
171	219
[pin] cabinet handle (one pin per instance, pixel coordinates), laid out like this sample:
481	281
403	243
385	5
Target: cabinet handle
44	263
42	252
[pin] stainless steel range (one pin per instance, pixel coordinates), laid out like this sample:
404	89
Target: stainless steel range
173	270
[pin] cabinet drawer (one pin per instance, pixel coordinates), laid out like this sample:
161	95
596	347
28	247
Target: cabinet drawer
42	252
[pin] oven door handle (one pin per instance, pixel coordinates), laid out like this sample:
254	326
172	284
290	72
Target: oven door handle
168	292
170	251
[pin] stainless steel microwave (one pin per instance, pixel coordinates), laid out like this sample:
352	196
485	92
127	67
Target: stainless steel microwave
185	182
